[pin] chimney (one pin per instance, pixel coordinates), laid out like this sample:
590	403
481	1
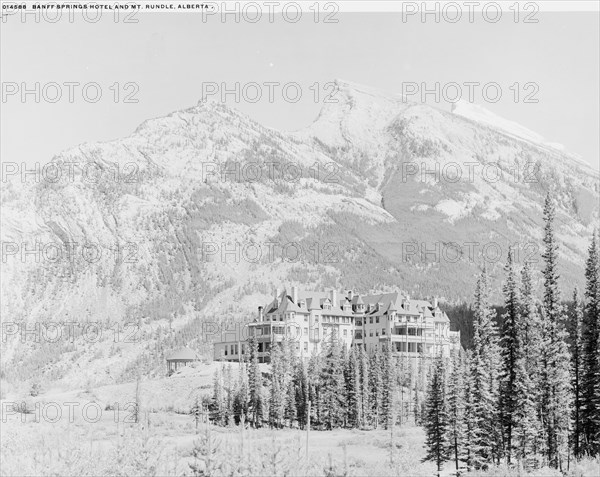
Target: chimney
350	295
435	302
295	295
333	298
260	313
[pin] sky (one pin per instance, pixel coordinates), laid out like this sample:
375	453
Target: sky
170	56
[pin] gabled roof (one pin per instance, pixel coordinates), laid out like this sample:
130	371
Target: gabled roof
183	353
389	302
312	301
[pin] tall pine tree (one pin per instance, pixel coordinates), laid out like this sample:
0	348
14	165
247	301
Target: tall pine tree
484	370
555	359
436	417
529	429
512	375
255	404
575	324
590	413
456	395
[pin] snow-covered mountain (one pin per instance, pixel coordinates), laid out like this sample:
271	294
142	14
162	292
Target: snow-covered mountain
391	194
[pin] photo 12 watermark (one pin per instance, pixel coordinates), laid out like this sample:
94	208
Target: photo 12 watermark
70	332
472	252
65	172
270	91
68	252
269	252
268	171
69	92
54	412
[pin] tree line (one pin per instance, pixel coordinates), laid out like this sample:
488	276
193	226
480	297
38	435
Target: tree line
528	391
333	389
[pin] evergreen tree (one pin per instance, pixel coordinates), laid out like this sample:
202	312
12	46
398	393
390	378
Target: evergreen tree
376	388
511	378
334	387
555	358
228	385
255	404
470	415
388	366
353	390
315	366
302	393
530	430
365	386
456	396
242	396
205	455
590	383
217	405
277	396
575	324
436	417
484	370
291	408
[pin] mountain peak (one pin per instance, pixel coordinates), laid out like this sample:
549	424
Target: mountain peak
352	88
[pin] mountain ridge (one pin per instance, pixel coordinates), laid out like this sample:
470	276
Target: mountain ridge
357	211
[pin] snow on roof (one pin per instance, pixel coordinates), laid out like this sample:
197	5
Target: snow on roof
183	353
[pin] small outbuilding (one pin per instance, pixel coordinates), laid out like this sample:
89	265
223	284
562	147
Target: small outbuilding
180	358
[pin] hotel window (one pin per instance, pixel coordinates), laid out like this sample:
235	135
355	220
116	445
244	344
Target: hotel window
297	346
225	350
377	320
345	332
305	331
358	322
383	331
305	318
371	333
377	333
305	346
236	349
371	320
